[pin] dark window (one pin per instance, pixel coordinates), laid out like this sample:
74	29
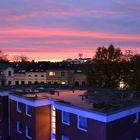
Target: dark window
63	74
19	127
9	82
29	82
22	82
36	82
76	83
28	132
19	107
35	75
65	117
17	82
9	73
65	138
82	123
83	83
28	110
29	75
42	75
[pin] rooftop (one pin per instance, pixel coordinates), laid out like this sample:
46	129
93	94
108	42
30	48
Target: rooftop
100	100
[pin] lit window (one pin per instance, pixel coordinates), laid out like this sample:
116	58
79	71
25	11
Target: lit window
65	138
28	110
65	117
28	132
63	82
82	123
51	73
19	127
19	106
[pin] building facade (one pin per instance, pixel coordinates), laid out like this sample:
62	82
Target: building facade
40	74
43	116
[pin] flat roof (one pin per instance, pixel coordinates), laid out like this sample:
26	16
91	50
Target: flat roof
100	100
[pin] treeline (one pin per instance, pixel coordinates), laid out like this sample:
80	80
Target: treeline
16	58
110	66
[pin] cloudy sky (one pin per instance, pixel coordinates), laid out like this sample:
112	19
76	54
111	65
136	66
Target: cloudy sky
59	29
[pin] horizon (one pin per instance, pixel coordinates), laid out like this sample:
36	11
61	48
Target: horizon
57	30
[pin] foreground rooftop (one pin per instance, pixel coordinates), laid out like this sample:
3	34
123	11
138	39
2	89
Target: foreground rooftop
100	100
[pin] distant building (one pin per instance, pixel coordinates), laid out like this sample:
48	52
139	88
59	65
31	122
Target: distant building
6	74
45	73
45	114
78	61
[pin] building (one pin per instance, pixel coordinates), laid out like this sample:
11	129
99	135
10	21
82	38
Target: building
6	74
39	73
47	114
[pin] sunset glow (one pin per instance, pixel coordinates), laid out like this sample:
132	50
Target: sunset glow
56	30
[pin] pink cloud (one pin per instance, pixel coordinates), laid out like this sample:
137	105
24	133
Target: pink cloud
17	33
17	41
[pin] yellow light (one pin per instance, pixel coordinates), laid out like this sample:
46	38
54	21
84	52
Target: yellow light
63	83
51	73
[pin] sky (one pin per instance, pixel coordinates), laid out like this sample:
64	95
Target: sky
60	29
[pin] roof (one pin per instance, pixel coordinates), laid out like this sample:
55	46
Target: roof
99	100
4	66
44	66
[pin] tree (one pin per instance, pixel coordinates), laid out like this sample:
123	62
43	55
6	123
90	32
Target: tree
3	57
20	58
106	67
108	54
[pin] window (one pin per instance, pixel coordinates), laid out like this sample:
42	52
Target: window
19	127
19	106
63	82
65	118
51	73
28	110
9	73
82	123
35	75
17	82
29	75
136	120
9	82
42	75
63	73
22	82
36	82
65	138
28	132
29	82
